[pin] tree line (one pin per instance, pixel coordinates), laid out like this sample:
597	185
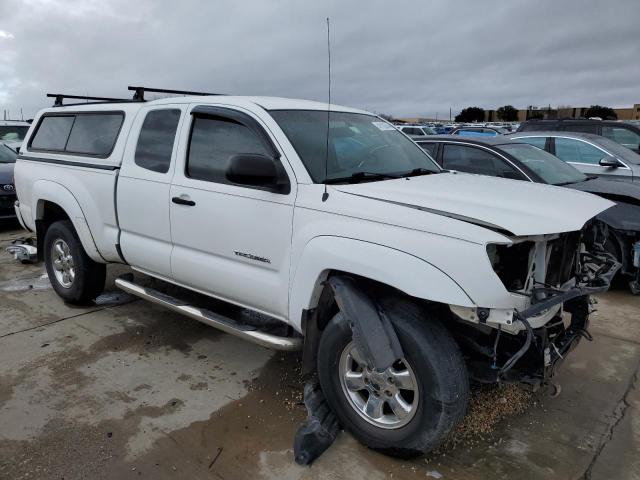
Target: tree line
509	113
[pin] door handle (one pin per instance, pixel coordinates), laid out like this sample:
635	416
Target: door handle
183	201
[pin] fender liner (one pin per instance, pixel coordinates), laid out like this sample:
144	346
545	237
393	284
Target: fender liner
373	333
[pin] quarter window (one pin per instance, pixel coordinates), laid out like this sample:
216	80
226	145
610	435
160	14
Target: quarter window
571	150
155	143
430	148
213	142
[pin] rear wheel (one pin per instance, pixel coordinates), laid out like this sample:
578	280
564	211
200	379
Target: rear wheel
74	276
409	408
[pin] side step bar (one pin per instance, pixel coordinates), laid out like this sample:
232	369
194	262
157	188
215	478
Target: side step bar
227	325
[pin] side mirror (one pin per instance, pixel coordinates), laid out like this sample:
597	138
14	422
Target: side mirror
610	161
252	169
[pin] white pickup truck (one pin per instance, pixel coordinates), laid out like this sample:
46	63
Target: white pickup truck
399	280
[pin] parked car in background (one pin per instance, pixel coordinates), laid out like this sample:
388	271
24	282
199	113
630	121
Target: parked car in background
591	154
479	131
624	133
515	159
416	130
12	132
7	187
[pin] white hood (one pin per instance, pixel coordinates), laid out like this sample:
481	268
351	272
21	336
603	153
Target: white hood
521	208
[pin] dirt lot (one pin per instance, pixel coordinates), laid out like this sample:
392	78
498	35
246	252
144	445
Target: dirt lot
125	389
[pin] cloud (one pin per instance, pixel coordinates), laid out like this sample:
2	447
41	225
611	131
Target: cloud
6	35
403	58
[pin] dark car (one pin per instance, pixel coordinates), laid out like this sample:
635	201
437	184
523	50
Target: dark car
625	134
515	159
7	189
479	131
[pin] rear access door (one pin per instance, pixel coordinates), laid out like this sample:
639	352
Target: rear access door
143	189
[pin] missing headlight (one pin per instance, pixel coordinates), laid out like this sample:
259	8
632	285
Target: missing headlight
511	263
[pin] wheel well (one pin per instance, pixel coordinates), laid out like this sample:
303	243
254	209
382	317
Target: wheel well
316	318
47	213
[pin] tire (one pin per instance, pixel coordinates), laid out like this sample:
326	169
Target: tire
74	276
439	375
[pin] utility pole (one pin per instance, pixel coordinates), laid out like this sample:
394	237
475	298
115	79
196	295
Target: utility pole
449	113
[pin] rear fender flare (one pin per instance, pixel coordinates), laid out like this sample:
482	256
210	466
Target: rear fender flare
49	191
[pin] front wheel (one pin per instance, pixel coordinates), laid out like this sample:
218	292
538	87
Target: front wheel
408	409
74	276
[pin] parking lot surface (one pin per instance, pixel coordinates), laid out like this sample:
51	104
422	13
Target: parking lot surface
125	389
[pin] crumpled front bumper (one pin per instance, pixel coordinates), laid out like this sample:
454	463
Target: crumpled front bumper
545	348
604	267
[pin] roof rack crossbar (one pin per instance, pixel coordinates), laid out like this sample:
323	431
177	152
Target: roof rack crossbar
139	92
59	98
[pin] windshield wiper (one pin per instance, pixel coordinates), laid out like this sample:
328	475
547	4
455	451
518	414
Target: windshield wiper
419	171
359	176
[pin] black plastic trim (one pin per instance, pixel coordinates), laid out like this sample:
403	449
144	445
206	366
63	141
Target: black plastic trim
56	161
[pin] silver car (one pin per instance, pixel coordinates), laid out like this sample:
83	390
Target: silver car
589	153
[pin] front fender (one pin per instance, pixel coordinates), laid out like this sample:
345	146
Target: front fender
49	191
386	265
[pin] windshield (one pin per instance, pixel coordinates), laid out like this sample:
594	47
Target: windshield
357	143
7	155
551	169
13	133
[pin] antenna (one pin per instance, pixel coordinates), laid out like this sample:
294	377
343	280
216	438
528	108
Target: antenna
325	195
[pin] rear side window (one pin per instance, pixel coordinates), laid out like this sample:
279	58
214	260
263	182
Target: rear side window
52	133
581	128
213	142
92	134
623	136
155	143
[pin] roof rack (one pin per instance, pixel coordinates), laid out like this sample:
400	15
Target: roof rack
139	92
59	98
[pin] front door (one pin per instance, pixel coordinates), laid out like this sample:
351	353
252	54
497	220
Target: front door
586	158
230	241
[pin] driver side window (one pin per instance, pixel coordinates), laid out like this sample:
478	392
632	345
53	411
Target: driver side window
475	160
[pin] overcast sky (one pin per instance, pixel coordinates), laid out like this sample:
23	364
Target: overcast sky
406	58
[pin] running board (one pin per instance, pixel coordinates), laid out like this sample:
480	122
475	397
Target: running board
227	325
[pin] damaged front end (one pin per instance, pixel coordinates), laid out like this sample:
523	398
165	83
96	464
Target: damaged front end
550	279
